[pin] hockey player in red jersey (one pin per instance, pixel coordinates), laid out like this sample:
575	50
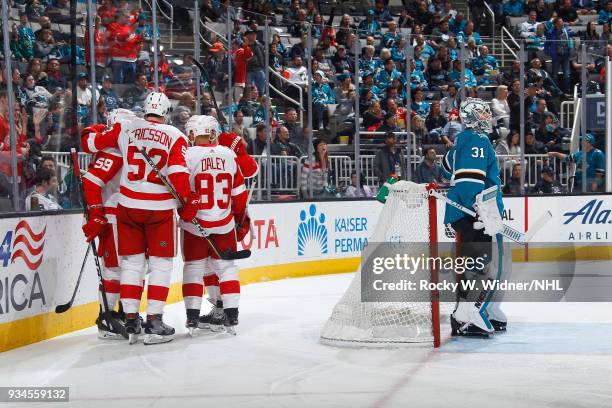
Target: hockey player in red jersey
215	175
249	168
145	211
101	189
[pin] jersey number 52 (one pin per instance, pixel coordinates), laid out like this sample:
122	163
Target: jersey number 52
138	165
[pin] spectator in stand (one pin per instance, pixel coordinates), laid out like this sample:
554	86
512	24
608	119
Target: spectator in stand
557	47
499	106
318	176
242	54
533	146
260	114
256	64
107	12
543	8
514	102
45	24
389	160
436	75
35	69
354	191
45	45
550	133
136	94
392	36
123	48
484	62
576	64
513	8
322	96
537	116
419	106
388	74
83	95
373	116
455	75
145	30
467	33
605	14
596	165
513	186
452	127
389	125
381	13
536	71
566	11
43	196
296	131
291	13
547	184
510	146
451	101
341	61
457	23
111	99
276	60
258	145
283	146
441	35
181	82
34	10
180	116
435	121
249	101
55	78
429	170
370	26
216	67
528	28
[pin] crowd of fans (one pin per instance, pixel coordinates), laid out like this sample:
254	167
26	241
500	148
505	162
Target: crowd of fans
49	116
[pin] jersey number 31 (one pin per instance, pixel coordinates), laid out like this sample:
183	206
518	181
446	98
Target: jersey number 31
477	152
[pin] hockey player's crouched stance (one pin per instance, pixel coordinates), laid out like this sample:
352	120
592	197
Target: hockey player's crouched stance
214	174
471	165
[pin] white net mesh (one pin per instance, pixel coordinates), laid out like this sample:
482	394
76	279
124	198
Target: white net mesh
404	218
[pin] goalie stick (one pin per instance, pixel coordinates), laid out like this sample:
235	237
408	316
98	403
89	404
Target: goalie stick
225	255
508	232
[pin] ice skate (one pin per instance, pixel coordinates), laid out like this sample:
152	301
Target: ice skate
497	317
113	329
192	323
467	320
133	326
156	331
213	321
230	320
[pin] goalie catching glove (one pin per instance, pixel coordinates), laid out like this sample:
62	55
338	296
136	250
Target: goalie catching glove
488	212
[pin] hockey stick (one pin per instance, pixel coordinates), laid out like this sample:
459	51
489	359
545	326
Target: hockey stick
66	306
206	83
508	232
225	255
106	312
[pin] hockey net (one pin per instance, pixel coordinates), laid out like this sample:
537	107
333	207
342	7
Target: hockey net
409	213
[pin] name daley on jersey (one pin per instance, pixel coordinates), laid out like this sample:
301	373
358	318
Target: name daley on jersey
213	163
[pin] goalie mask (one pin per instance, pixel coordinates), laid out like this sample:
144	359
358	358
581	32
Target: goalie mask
118	114
475	114
202	125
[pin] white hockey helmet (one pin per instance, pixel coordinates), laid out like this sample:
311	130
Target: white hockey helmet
476	114
156	103
118	114
202	125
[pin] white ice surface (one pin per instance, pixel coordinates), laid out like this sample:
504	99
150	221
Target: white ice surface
554	355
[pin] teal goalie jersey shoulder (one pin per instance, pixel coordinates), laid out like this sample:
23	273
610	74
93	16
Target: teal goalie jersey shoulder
471	166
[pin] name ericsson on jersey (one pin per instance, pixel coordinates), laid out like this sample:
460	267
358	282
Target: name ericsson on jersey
153	135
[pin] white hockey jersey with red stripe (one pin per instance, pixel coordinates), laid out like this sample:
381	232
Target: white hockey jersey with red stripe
214	174
101	182
140	187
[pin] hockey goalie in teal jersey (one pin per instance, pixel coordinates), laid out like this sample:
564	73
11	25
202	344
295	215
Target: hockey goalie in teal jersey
471	166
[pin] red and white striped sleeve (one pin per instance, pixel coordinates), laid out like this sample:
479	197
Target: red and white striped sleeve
95	138
104	167
178	174
239	195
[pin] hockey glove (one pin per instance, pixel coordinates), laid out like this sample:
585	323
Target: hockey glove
95	225
191	207
243	229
